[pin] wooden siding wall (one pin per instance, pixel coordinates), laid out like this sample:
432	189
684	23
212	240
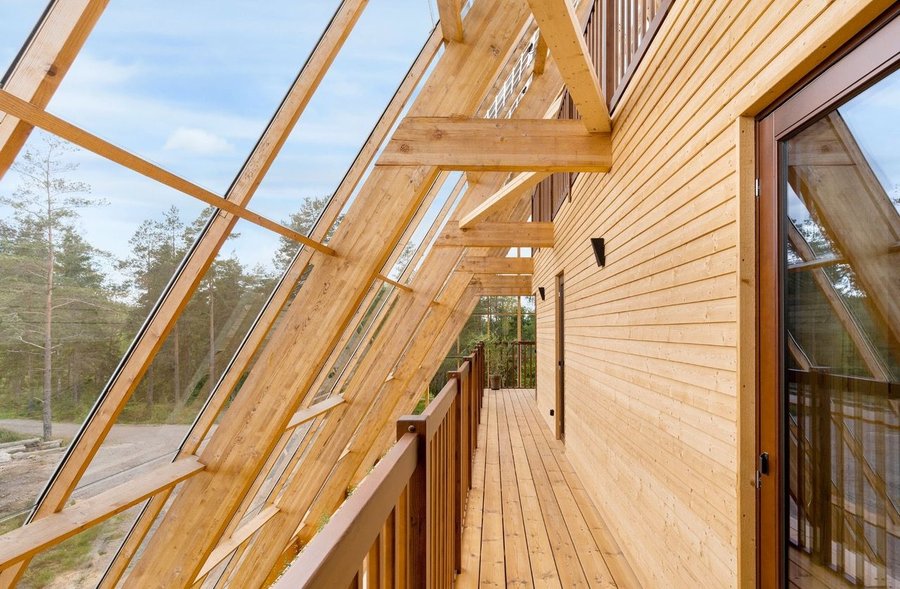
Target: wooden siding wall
652	339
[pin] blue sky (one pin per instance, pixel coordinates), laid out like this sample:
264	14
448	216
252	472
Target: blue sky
192	85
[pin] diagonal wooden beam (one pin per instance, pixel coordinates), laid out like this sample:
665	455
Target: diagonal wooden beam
507	286
43	64
506	234
240	535
512	191
24	542
496	265
450	12
53	124
313	411
559	26
508	145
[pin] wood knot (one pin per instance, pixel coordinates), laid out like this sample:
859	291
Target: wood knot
404	148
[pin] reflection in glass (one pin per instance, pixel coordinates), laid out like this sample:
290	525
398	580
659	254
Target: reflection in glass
842	317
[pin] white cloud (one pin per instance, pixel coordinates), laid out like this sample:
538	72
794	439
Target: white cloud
197	141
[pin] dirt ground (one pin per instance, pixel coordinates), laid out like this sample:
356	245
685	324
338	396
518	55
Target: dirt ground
129	451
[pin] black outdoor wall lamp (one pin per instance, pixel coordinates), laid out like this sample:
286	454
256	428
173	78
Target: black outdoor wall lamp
599	250
541	292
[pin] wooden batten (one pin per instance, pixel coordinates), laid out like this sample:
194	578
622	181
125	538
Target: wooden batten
508	286
24	542
511	145
560	28
44	120
495	265
313	411
502	234
241	535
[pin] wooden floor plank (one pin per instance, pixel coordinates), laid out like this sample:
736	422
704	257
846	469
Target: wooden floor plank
529	522
612	554
589	554
567	563
543	566
518	566
493	573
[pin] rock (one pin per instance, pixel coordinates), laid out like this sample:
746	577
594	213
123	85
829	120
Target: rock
4	457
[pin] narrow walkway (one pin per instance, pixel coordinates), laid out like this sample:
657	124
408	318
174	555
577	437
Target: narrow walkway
529	522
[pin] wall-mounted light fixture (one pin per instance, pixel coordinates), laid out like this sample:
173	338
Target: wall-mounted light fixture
542	292
599	250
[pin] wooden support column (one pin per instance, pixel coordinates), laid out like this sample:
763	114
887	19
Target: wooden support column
563	33
274	388
44	63
510	145
450	12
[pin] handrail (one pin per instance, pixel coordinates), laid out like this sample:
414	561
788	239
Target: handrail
402	526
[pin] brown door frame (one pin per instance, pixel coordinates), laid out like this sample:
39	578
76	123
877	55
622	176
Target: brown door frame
560	359
866	59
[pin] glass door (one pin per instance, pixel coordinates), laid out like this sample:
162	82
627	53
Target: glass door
829	358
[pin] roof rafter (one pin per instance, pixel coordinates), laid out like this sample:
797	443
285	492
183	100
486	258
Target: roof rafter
495	265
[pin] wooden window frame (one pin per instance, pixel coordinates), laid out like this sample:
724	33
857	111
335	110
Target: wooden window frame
869	57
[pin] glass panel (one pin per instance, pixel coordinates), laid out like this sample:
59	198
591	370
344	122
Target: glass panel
339	117
81	560
843	320
17	19
190	85
98	212
193	356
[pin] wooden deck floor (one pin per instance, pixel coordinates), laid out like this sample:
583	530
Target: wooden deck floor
529	522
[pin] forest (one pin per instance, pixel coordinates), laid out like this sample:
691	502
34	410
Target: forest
69	310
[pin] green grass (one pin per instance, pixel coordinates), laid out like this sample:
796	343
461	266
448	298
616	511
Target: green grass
10	436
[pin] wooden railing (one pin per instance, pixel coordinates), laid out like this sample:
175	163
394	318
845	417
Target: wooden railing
402	527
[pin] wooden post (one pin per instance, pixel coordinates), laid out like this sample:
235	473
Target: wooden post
459	461
418	552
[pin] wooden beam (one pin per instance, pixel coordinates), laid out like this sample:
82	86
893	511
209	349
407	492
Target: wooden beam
37	73
24	542
185	284
508	234
507	145
394	283
496	265
559	26
507	286
313	411
450	12
241	535
53	124
515	189
540	55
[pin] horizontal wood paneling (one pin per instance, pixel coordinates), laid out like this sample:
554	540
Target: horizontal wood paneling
651	339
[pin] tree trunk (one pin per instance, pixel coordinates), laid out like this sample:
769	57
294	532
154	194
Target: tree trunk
47	411
212	342
177	377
